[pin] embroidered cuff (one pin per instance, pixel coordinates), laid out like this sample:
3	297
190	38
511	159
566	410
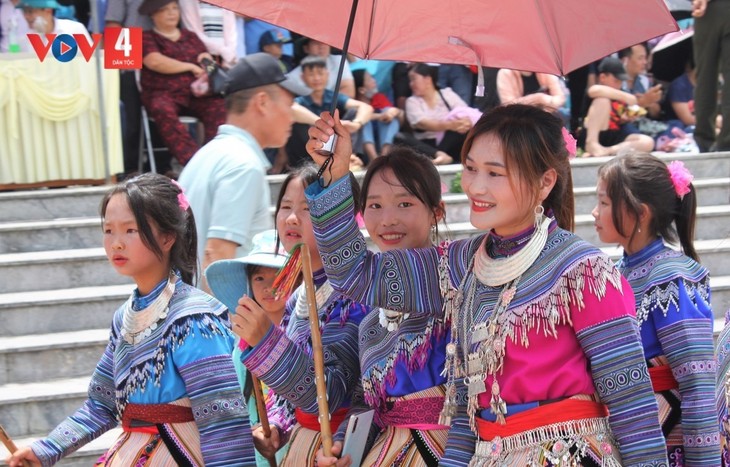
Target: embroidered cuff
266	354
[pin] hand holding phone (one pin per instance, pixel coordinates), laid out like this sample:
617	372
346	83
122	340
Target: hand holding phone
356	436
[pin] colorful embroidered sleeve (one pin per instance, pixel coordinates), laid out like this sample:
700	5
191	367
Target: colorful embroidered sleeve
399	280
204	363
289	370
96	416
685	333
619	371
721	391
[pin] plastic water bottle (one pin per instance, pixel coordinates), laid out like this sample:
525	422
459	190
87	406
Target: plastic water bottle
13	46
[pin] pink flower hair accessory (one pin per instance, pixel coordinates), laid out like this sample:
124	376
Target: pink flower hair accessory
570	143
182	200
681	178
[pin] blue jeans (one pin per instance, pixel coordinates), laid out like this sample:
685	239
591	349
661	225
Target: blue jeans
380	133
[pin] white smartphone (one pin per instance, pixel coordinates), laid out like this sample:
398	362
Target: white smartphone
356	436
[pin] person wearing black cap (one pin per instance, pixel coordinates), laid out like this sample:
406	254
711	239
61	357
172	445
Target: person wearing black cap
608	128
225	181
171	59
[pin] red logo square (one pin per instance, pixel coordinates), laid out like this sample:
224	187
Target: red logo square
123	48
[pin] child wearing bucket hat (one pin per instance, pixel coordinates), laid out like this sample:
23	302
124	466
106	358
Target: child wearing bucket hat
252	275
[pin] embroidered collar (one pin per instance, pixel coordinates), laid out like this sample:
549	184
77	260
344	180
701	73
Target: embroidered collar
634	259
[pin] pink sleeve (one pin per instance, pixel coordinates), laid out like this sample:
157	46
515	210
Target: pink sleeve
613	304
414	110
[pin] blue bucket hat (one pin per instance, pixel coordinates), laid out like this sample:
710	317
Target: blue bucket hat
227	278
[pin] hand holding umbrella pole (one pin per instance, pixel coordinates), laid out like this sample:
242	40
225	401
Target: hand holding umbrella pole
10	445
329	147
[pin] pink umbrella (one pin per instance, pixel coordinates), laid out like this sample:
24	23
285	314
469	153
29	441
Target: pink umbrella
547	36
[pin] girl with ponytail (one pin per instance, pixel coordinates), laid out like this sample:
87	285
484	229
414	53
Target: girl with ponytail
643	205
168	359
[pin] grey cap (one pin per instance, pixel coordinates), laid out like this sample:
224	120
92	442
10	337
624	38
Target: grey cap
613	66
261	69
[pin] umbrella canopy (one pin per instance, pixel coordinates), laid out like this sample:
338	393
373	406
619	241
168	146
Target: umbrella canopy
671	54
547	36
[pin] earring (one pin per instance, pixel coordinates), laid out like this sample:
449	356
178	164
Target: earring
539	211
639	229
434	235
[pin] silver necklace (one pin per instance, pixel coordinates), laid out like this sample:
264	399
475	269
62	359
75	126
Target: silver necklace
138	325
321	295
495	272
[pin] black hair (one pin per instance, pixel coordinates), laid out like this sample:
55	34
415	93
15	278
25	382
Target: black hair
628	51
414	171
427	71
307	173
154	201
638	178
359	77
533	142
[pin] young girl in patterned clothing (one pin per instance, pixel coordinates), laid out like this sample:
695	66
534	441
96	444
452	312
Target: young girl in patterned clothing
640	202
166	373
401	355
282	358
545	366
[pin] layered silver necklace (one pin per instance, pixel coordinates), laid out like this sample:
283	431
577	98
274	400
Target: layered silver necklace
138	325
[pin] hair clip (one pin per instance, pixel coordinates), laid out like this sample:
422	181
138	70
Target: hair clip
182	200
570	143
681	178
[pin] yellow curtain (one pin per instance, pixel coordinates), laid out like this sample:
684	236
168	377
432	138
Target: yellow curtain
50	120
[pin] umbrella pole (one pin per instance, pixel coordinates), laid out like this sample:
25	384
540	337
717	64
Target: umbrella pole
329	147
318	354
258	394
10	445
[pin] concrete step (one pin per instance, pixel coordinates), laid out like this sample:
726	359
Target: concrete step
61	310
31	408
84	457
51	203
47	270
40	357
46	235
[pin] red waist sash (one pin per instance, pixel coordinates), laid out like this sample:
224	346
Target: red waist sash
143	417
662	378
564	411
311	420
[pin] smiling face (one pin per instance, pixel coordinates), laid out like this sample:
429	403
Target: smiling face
394	217
499	201
293	223
127	252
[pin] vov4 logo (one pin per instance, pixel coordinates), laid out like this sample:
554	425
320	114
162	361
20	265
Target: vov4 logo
122	47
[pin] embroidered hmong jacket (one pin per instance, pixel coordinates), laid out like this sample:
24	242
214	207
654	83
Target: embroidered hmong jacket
283	359
187	356
723	387
672	293
570	314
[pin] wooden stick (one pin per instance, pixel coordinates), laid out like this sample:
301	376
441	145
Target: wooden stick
318	354
10	445
258	394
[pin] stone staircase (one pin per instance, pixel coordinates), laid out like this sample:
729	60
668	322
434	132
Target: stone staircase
58	293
